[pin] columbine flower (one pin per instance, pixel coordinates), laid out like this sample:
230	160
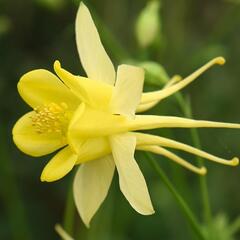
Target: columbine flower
94	120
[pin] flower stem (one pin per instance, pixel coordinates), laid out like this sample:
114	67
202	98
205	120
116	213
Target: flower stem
202	179
69	214
185	208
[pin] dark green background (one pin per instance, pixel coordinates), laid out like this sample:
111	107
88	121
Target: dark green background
35	33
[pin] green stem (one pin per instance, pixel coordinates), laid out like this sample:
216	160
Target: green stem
185	107
186	210
202	179
187	111
69	214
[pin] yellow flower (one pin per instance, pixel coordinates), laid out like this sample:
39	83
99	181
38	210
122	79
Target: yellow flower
94	120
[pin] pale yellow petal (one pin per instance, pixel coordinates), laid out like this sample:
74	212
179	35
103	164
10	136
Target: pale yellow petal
89	149
147	139
94	58
32	143
59	166
91	185
131	179
39	87
173	157
159	95
97	94
128	90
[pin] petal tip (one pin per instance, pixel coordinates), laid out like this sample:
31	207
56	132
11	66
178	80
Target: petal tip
149	211
82	4
42	178
56	65
87	224
46	177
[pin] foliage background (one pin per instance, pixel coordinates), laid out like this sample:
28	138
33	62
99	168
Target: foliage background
33	33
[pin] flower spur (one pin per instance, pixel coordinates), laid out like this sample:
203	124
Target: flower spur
93	120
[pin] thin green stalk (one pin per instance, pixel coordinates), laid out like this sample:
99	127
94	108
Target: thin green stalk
202	179
69	214
187	111
185	208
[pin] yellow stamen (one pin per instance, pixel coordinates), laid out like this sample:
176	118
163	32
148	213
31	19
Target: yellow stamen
173	157
50	118
161	94
147	139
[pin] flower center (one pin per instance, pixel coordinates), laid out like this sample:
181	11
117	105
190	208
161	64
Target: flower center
50	118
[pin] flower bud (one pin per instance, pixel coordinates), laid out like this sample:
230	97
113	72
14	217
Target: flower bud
148	24
155	74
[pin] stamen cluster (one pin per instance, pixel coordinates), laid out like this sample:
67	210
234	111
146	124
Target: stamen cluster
50	118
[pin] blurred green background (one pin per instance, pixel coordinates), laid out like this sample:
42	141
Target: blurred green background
34	33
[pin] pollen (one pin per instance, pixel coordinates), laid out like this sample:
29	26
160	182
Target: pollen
50	118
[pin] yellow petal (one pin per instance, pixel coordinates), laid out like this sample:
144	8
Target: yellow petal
131	179
32	143
90	149
60	165
128	90
94	93
87	123
39	87
91	185
94	58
